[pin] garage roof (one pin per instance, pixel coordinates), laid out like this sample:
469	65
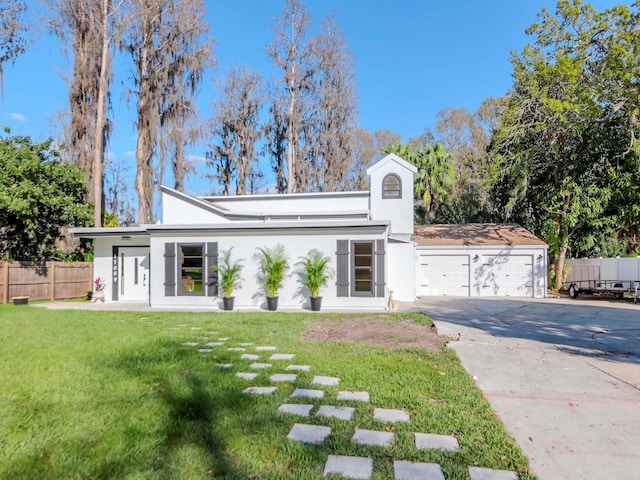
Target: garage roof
474	234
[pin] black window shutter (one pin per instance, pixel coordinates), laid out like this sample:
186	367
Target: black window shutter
342	277
169	269
379	285
212	276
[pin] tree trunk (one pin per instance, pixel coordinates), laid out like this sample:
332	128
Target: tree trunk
98	154
559	263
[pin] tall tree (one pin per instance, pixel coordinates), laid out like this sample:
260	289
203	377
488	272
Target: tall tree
368	149
236	129
291	52
12	29
94	30
170	47
567	132
336	112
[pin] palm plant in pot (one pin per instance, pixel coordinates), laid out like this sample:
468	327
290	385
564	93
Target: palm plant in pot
229	271
274	264
314	275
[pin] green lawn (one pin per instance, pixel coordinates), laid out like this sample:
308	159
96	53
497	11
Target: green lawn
117	395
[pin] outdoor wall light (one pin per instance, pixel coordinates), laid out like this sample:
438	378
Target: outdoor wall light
125	237
476	258
540	257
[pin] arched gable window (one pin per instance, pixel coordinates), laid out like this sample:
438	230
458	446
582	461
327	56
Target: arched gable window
391	186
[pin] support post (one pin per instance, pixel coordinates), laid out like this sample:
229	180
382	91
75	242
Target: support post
52	281
5	280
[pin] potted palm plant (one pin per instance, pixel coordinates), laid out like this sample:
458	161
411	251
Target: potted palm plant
314	275
229	278
273	268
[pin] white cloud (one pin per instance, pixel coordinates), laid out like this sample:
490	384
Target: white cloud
18	116
130	153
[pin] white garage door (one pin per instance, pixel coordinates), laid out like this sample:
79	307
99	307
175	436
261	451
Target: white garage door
444	275
507	275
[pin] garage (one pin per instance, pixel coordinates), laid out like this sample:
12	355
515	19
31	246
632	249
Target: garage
479	260
507	276
444	275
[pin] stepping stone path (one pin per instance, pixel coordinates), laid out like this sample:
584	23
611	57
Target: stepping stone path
281	356
325	381
446	443
260	365
283	377
343	413
350	467
354	396
373	438
346	466
303	392
295	409
390	416
300	368
314	434
417	471
260	390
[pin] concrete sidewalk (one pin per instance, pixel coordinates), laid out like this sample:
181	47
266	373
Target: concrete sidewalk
565	394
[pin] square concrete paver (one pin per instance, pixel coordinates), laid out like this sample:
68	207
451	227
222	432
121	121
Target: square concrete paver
329	411
390	415
260	365
326	381
260	390
246	376
190	344
309	433
213	344
373	438
281	356
223	339
224	365
265	348
283	377
303	392
427	441
249	356
359	468
477	473
301	368
354	396
236	349
296	409
417	471
245	344
204	350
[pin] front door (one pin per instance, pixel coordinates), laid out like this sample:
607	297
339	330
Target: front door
134	274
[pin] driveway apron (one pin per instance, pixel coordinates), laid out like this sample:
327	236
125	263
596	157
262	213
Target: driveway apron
562	375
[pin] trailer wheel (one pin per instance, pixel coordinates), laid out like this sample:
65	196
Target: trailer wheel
618	296
573	291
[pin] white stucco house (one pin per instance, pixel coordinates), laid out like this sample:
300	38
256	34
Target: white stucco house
370	237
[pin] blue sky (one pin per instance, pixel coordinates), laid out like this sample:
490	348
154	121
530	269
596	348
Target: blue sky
413	58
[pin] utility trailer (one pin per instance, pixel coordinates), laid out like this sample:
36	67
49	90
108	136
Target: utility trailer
616	287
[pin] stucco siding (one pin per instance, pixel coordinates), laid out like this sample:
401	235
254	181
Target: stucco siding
249	295
401	271
176	211
398	211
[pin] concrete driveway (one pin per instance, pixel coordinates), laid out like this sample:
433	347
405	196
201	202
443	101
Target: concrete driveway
563	375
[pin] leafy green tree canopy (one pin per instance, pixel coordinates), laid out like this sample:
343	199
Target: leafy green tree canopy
39	196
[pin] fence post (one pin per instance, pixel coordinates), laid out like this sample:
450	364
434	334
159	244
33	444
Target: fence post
5	280
52	281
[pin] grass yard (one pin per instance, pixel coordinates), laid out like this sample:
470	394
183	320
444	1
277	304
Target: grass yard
86	394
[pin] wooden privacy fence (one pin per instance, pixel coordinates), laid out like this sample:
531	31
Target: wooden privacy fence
45	280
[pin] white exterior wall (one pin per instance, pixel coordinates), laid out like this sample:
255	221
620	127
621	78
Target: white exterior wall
476	273
294	203
398	211
249	295
401	266
178	212
103	258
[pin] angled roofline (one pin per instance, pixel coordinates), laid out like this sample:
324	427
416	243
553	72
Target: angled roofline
391	157
281	196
